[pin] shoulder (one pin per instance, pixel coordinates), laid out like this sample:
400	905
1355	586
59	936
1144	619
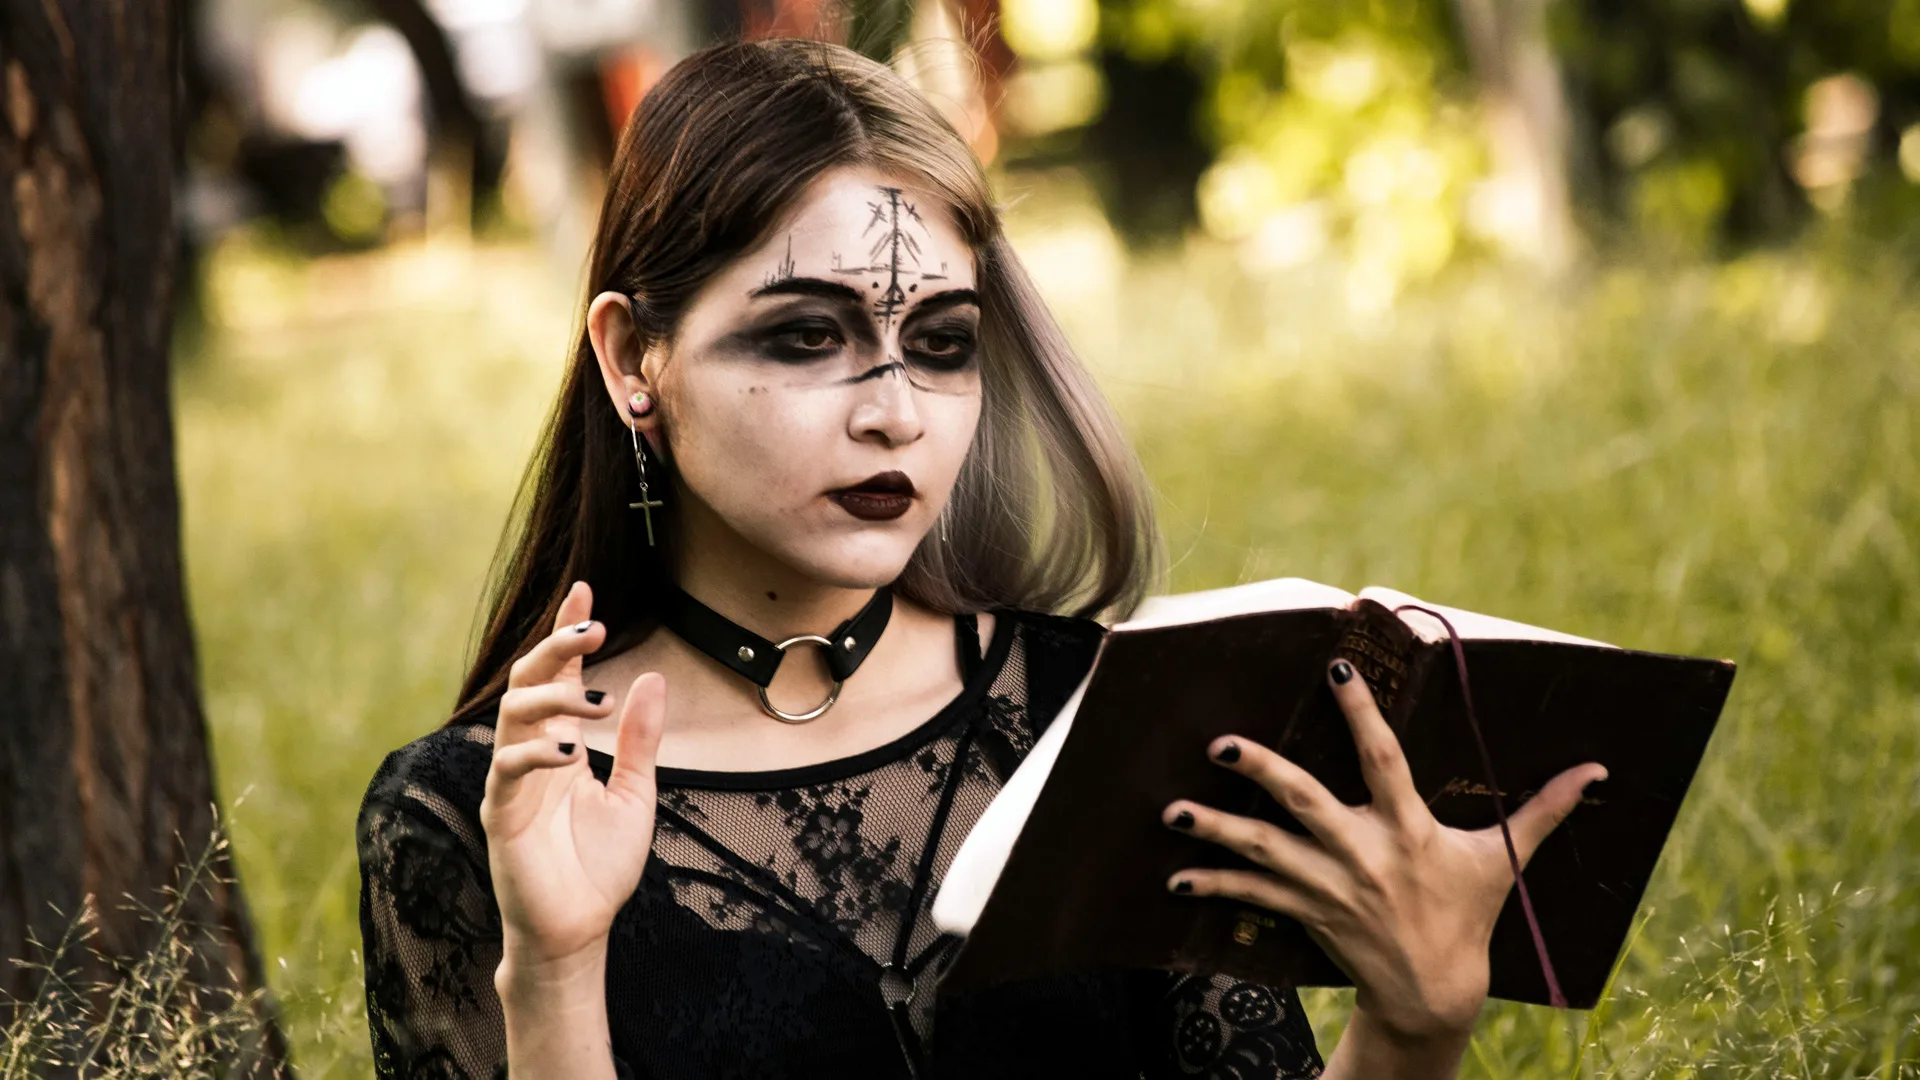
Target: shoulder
426	895
1061	641
442	773
1056	652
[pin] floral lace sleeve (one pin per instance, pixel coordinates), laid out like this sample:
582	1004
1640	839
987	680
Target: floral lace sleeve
430	930
1220	1028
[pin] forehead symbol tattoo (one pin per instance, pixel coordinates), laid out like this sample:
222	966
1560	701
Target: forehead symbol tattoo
896	252
784	272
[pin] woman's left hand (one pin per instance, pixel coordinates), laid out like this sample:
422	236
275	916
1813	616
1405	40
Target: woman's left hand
1404	904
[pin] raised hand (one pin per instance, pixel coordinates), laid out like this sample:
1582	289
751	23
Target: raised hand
565	850
1405	905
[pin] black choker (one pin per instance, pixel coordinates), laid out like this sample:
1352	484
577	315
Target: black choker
753	656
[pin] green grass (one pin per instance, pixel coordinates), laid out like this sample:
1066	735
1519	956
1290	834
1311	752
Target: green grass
349	440
1717	459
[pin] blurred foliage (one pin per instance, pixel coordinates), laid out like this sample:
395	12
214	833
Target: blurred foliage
1297	126
1315	100
1703	103
1291	126
1302	126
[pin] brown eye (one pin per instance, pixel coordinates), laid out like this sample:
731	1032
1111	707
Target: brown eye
802	341
949	348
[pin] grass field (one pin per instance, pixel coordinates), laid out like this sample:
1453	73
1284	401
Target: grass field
1719	459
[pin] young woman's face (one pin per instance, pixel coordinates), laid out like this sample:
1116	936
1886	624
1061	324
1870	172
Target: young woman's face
821	392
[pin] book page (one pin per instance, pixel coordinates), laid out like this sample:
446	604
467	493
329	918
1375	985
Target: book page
1470	624
1279	594
983	854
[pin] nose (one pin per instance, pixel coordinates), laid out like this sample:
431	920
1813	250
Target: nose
886	411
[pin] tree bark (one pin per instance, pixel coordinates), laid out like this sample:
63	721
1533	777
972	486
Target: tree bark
106	785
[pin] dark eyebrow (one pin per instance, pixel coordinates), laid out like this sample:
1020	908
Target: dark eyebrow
946	299
806	286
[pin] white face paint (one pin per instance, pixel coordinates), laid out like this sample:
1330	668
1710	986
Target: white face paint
822	391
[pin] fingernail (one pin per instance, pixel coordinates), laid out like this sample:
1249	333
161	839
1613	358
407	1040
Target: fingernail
581	628
1228	754
595	697
1183	886
566	748
1181	820
1342	672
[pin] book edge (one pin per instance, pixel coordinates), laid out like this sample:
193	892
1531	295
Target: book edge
982	857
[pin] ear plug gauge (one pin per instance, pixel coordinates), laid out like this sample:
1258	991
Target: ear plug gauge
640	404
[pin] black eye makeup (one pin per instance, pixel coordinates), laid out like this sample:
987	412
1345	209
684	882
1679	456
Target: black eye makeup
948	345
822	320
801	340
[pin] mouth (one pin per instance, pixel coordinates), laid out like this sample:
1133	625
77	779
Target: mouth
880	497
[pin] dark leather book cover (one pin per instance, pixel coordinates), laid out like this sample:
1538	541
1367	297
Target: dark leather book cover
1085	885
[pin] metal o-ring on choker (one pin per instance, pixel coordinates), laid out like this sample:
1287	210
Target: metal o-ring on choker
833	695
756	659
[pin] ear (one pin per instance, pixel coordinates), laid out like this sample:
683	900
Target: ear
622	355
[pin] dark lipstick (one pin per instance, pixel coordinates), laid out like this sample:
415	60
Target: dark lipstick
880	497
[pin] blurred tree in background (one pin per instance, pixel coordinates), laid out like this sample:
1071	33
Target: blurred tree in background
1404	133
1736	118
1394	136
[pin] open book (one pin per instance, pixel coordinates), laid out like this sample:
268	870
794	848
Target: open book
1066	870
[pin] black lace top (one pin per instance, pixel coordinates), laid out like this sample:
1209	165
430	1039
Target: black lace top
781	926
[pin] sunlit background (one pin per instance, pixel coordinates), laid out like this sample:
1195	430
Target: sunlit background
1595	313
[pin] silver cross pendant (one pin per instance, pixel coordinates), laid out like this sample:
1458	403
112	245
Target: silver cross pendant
646	506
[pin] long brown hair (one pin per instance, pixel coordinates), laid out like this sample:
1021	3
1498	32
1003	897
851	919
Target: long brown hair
1049	512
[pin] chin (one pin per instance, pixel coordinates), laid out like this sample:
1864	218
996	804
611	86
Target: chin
856	562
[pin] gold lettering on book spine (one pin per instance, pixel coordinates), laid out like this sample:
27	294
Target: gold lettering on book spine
1378	661
1246	930
1460	785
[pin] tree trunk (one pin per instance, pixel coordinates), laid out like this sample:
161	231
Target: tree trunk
1527	121
106	786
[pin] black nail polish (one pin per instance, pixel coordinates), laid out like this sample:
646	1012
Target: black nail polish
1342	672
595	697
581	628
1228	754
566	748
1182	820
1183	886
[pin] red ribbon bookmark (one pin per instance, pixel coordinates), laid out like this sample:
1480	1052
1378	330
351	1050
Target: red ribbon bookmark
1554	996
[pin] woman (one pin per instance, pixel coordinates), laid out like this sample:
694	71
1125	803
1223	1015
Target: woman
660	836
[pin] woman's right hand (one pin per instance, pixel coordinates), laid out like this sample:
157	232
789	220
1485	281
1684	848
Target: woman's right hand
565	850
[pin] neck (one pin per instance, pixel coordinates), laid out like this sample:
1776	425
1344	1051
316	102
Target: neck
722	570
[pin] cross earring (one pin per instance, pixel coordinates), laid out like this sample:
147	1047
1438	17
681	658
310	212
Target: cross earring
646	504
